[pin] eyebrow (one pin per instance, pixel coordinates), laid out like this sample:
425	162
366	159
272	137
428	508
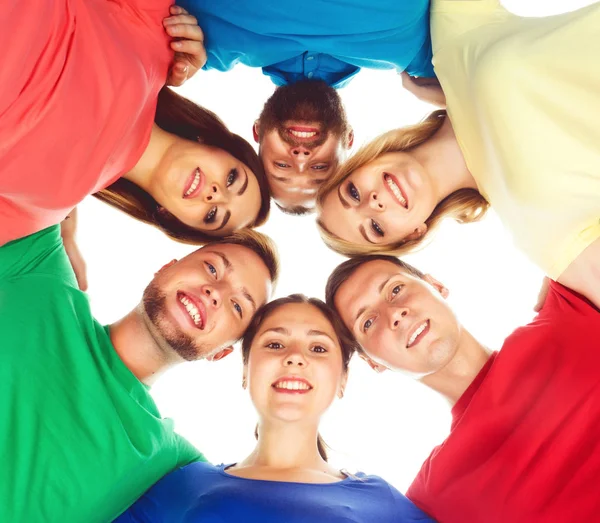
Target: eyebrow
279	330
225	220
225	259
243	188
280	179
229	268
345	204
249	297
379	290
361	229
319	333
318	182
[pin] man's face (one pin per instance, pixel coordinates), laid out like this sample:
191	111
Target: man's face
402	322
204	302
303	135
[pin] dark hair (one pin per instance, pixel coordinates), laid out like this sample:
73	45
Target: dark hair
346	269
178	115
295	210
347	343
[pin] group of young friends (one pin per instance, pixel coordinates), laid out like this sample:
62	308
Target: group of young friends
84	110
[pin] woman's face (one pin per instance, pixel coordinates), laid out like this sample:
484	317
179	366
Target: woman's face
206	188
383	202
294	369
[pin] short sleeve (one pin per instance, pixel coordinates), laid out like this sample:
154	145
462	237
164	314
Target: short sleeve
405	507
451	18
39	253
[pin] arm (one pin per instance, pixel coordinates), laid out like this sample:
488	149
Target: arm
67	230
188	44
583	275
425	89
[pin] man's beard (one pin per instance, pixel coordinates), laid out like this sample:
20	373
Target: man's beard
305	101
154	302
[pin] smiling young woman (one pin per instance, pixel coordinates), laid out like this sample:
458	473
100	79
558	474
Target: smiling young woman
296	353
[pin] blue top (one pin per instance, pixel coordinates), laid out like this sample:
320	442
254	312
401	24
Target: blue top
327	40
201	492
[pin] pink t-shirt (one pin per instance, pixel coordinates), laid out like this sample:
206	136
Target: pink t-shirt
78	87
525	440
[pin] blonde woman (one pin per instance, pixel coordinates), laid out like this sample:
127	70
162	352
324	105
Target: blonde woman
521	133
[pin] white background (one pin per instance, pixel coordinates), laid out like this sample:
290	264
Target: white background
386	424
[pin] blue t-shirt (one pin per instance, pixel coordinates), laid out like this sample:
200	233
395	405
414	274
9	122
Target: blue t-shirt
201	492
328	40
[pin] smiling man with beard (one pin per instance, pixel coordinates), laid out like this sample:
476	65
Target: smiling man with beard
524	445
82	438
325	40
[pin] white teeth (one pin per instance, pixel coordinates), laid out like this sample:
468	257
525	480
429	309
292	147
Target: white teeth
194	183
416	334
396	190
291	385
192	310
303	134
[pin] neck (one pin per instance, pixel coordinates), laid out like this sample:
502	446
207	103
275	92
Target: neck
158	146
134	343
453	380
443	159
286	446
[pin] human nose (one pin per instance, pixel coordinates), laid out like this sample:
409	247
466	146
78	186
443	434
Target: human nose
214	194
213	295
375	202
395	316
300	156
294	358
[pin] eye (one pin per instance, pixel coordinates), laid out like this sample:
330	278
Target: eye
281	165
275	345
376	228
232	177
396	290
211	269
353	192
367	324
210	215
238	309
319	167
319	349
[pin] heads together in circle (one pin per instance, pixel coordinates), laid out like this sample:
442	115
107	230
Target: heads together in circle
398	315
196	180
303	135
199	306
390	195
296	353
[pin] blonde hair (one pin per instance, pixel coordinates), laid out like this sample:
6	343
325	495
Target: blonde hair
464	205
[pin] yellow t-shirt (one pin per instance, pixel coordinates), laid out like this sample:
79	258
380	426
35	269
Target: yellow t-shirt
523	96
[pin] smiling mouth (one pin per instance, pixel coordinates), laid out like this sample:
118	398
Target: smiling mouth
394	188
194	184
194	310
290	385
418	334
303	133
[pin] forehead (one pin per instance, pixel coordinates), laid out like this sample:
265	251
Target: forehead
298	317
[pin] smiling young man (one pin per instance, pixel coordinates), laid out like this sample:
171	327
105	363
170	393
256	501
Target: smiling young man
525	439
82	438
320	40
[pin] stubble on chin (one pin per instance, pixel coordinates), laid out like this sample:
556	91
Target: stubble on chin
168	338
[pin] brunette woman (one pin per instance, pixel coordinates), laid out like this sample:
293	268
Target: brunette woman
296	354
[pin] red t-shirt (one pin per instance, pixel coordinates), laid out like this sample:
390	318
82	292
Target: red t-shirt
78	86
525	439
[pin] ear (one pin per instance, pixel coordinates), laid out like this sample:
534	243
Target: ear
256	131
350	138
377	367
165	266
439	286
221	354
417	233
343	383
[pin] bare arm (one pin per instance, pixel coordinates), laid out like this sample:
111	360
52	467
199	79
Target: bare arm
583	275
425	89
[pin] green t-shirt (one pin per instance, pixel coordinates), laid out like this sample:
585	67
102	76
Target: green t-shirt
80	437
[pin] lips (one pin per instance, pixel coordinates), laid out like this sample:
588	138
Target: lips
193	309
194	184
394	188
417	333
303	133
292	385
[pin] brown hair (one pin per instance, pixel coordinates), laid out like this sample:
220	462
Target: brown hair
464	205
178	115
347	343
